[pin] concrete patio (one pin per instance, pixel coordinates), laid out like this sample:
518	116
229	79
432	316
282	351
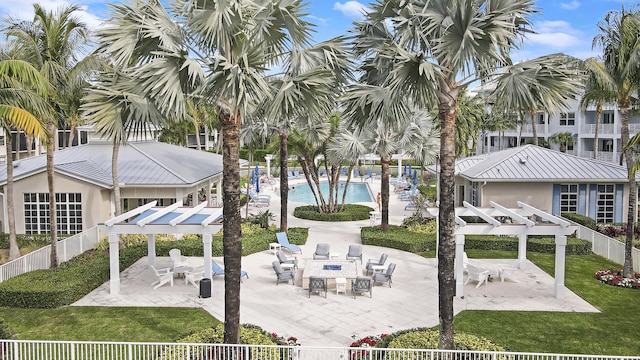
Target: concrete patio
286	309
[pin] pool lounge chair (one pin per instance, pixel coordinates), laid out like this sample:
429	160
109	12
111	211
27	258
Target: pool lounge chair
217	270
283	240
368	175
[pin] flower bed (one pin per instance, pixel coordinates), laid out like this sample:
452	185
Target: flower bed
365	342
614	277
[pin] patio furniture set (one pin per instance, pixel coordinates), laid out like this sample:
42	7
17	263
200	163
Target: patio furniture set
481	275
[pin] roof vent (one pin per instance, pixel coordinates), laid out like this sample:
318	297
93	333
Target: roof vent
16	164
524	160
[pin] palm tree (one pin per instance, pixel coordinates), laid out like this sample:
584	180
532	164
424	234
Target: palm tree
565	139
52	43
438	48
597	92
22	92
619	38
235	43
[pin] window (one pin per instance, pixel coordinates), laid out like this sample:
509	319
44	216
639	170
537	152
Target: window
1	140
567	119
541	119
607	117
68	213
605	203
569	198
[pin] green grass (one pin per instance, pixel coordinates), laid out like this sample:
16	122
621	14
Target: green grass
106	323
614	331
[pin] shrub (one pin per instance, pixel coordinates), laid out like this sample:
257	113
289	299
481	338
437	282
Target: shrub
423	338
398	238
351	212
29	240
581	219
5	332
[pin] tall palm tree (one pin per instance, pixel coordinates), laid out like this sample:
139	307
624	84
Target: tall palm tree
223	48
52	42
439	47
619	38
22	94
597	92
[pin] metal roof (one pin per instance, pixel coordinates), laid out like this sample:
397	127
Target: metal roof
139	164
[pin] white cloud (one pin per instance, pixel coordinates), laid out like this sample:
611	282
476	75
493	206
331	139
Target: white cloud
20	10
351	8
570	6
556	34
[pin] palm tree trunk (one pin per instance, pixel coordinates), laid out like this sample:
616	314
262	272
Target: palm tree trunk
198	144
595	136
447	111
52	196
384	191
534	127
14	249
231	238
284	180
17	145
114	178
628	156
72	133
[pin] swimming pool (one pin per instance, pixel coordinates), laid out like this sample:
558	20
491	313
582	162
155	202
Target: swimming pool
356	192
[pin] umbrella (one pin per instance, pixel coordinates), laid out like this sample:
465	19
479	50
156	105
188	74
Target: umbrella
415	177
404	170
257	178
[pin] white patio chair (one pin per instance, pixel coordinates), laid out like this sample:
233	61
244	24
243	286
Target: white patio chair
193	278
177	260
163	276
507	272
477	274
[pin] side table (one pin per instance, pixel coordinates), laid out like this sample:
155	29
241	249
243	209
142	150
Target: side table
274	247
341	286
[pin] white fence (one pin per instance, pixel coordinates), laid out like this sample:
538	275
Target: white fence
41	258
63	350
607	247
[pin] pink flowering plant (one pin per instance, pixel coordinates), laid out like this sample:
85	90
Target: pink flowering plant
365	342
614	277
281	340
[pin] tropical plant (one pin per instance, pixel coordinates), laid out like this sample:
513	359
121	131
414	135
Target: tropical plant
564	139
619	38
438	48
53	42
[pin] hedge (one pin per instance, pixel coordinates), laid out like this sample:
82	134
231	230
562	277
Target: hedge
74	279
351	212
581	219
398	238
5	332
27	240
424	338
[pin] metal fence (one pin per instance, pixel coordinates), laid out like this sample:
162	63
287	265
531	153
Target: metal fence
41	258
66	350
606	246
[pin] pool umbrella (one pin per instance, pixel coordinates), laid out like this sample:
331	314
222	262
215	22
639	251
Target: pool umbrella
257	178
415	177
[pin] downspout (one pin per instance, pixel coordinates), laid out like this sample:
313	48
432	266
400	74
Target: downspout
5	219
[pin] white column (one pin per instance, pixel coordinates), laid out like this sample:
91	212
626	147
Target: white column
268	158
206	245
151	249
399	167
561	244
459	268
209	188
114	264
219	192
522	249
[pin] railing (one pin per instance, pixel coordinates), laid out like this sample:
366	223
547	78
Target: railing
602	155
41	258
605	246
66	350
603	129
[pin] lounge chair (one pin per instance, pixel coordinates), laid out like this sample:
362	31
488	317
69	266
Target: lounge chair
477	274
259	200
373	262
177	260
217	270
283	275
322	173
506	272
361	285
282	258
163	276
193	278
322	252
284	242
317	284
355	252
290	175
368	175
296	174
385	276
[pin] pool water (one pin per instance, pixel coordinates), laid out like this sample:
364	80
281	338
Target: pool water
357	192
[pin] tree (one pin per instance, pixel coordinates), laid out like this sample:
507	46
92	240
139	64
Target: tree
439	47
565	139
22	94
222	49
597	92
52	42
619	38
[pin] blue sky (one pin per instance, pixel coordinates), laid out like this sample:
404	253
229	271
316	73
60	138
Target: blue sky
563	26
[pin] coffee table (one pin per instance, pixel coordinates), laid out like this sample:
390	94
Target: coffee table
347	269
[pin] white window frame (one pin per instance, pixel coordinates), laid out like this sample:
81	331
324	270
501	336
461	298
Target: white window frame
569	198
68	213
605	203
568	119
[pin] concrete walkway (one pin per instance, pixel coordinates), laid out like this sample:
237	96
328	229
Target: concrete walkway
286	309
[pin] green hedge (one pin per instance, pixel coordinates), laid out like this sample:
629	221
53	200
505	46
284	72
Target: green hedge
424	338
404	239
5	332
74	279
26	240
351	212
581	219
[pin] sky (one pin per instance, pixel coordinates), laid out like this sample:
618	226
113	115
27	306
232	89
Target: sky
566	26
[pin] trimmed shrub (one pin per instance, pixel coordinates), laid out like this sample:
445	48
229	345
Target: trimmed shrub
29	240
5	332
351	212
581	219
398	238
423	338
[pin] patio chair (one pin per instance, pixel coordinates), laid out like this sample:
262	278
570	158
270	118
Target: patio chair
296	174
283	240
282	258
217	270
355	252
193	278
373	262
322	252
506	272
465	262
317	284
477	274
385	276
290	174
163	276
259	200
368	175
361	285
177	260
283	275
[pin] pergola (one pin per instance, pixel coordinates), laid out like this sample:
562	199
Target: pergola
151	220
512	222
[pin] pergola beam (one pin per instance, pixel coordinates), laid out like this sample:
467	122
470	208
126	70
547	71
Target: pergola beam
188	214
481	214
515	216
131	213
158	214
544	215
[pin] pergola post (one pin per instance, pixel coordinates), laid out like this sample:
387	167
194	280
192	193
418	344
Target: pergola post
151	249
522	250
459	266
206	244
114	264
561	244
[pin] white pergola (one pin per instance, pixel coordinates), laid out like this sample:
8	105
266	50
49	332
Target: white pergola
520	225
151	220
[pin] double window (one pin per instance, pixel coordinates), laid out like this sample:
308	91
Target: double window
37	212
569	198
605	200
567	119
